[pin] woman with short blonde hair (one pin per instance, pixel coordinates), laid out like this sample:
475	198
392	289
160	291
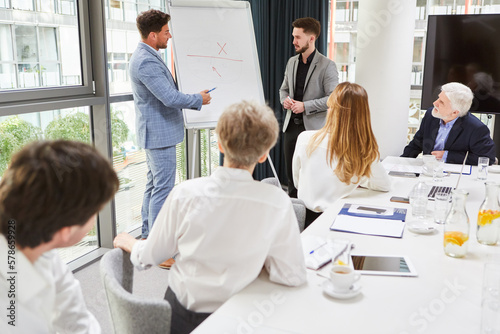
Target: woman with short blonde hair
330	163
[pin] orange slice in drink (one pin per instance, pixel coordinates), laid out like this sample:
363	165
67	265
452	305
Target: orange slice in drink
485	217
455	237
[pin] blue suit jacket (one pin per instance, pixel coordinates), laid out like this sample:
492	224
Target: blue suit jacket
158	102
467	134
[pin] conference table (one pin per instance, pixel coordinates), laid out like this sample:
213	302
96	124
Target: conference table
445	297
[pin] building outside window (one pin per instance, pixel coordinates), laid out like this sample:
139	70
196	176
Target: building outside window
345	34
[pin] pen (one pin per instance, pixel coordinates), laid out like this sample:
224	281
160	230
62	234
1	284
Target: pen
211	89
288	97
317	248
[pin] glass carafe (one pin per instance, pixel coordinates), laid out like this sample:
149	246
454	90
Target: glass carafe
456	226
488	222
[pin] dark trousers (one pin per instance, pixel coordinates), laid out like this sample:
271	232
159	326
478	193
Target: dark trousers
184	321
311	216
290	139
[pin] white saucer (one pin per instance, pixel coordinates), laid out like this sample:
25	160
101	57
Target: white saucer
494	169
421	227
352	292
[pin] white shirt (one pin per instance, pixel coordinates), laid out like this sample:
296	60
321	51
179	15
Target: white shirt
225	227
317	184
48	298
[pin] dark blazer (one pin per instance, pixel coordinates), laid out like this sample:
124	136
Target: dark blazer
467	134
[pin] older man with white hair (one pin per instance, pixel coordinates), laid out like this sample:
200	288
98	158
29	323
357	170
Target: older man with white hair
448	130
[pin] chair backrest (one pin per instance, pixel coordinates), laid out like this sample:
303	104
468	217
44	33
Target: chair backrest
300	211
129	313
272	180
298	205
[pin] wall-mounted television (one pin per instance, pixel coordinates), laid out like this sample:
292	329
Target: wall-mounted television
466	49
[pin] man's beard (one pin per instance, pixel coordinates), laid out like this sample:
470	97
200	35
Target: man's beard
162	46
436	114
302	49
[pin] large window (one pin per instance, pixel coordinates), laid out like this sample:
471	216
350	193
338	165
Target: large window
33	55
19	130
22	4
57	81
46	89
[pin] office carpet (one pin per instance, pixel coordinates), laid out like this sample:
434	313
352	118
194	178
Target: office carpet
150	283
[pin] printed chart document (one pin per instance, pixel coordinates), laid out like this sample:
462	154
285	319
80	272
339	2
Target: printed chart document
416	165
370	220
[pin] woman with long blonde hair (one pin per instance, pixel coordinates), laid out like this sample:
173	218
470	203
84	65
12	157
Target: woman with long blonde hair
330	163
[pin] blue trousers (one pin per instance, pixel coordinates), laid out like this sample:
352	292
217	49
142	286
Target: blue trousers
161	179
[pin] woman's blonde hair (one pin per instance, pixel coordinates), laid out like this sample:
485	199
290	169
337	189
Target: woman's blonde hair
350	137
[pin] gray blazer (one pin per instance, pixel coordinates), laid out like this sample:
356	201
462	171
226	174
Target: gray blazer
321	80
158	102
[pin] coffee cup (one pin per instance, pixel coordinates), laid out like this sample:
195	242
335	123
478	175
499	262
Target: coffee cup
343	277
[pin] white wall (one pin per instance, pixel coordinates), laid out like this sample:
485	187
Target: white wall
383	67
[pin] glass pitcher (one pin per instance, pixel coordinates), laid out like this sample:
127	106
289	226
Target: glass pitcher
488	222
456	226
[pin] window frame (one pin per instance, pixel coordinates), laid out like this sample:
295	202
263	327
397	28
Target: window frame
85	89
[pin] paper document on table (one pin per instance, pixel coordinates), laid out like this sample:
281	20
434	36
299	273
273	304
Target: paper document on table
318	251
403	168
455	169
371	226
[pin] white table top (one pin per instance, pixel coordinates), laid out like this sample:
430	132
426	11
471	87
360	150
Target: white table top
444	298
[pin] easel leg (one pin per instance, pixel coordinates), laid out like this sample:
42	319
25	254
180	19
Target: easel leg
195	144
272	167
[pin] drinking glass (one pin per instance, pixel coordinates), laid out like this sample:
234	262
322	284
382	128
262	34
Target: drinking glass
441	206
437	171
482	168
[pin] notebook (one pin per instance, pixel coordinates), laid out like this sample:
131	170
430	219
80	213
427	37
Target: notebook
319	251
370	220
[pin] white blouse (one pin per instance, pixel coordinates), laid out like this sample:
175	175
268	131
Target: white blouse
225	229
317	184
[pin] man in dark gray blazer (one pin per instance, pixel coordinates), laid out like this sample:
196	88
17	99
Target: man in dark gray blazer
158	105
309	80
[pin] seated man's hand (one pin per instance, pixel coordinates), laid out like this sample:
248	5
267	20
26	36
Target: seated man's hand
124	241
438	154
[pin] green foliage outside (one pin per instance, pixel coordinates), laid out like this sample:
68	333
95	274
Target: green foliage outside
76	126
73	126
181	162
14	134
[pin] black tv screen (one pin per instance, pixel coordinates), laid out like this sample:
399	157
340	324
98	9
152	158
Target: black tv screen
465	49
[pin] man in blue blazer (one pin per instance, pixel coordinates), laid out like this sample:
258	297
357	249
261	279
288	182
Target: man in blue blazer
158	105
448	130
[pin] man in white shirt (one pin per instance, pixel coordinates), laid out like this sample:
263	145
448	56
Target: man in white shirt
49	198
226	227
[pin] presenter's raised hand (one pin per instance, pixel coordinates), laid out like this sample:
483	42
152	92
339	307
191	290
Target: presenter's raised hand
206	96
